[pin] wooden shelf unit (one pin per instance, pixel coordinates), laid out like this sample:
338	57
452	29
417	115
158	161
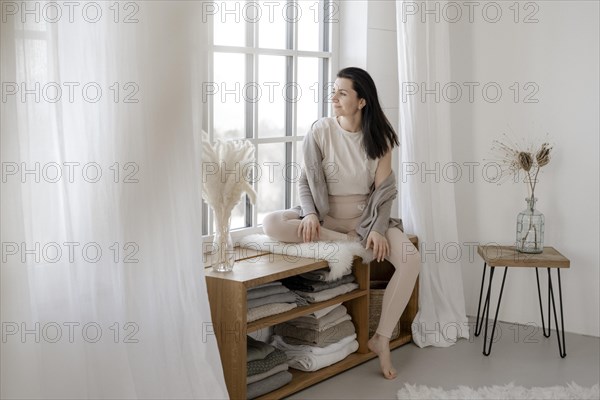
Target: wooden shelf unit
227	296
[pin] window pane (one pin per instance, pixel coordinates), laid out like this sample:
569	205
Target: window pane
308	24
229	24
308	103
271	105
272	25
238	215
271	182
229	105
296	170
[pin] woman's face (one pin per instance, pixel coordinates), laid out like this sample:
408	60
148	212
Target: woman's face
345	99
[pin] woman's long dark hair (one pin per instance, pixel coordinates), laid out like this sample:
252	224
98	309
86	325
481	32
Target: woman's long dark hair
378	134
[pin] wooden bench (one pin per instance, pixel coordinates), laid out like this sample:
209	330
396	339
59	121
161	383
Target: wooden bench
227	296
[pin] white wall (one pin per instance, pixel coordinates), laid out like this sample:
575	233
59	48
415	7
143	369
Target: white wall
559	54
368	41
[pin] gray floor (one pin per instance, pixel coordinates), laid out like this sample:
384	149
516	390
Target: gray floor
519	355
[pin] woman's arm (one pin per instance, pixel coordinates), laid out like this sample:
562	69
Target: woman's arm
384	168
376	240
306	199
313	201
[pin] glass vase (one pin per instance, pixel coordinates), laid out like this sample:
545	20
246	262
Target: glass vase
223	246
530	229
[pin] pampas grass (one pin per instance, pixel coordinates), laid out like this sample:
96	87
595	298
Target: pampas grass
225	175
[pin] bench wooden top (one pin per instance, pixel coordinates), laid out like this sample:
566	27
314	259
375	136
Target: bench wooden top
255	267
508	256
267	268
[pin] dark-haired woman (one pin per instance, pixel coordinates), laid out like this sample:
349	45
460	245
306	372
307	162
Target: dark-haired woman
346	192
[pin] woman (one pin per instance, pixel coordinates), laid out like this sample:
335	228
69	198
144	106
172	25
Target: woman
346	190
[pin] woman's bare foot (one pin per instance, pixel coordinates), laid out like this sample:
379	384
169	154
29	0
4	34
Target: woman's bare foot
380	345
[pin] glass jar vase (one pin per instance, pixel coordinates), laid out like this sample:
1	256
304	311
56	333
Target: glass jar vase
223	247
530	229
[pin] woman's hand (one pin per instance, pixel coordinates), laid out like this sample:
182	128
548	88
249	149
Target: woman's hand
310	228
381	247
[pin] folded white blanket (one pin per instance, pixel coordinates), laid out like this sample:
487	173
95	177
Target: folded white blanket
277	341
267	310
307	361
315	297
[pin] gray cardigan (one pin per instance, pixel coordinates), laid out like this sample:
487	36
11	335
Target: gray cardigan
314	197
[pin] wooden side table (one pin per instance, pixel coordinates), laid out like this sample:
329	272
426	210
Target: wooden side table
507	256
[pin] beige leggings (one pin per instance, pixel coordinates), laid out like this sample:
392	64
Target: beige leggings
344	214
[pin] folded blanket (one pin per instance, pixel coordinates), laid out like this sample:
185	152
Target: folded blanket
307	285
295	335
259	366
278	342
258	377
257	350
333	315
269	384
288	297
313	362
268	310
320	275
263	291
325	326
324	311
327	293
264	285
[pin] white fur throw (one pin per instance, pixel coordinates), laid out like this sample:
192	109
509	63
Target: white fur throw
509	391
338	254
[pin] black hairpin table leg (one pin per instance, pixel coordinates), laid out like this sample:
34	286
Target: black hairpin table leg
486	351
560	333
477	324
537	277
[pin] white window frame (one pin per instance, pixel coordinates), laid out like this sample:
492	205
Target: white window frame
327	72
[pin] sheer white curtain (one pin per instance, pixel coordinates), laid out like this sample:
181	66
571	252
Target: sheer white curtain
102	283
428	207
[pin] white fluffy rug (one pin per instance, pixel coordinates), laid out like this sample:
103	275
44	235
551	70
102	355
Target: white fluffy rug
510	391
338	254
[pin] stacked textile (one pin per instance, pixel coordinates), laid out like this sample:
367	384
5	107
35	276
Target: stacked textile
270	299
267	368
313	287
317	340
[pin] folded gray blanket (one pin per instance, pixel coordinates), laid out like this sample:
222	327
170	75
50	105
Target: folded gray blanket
288	297
319	275
269	384
324	326
259	366
308	285
267	310
264	285
263	291
259	377
311	322
317	297
258	350
294	335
